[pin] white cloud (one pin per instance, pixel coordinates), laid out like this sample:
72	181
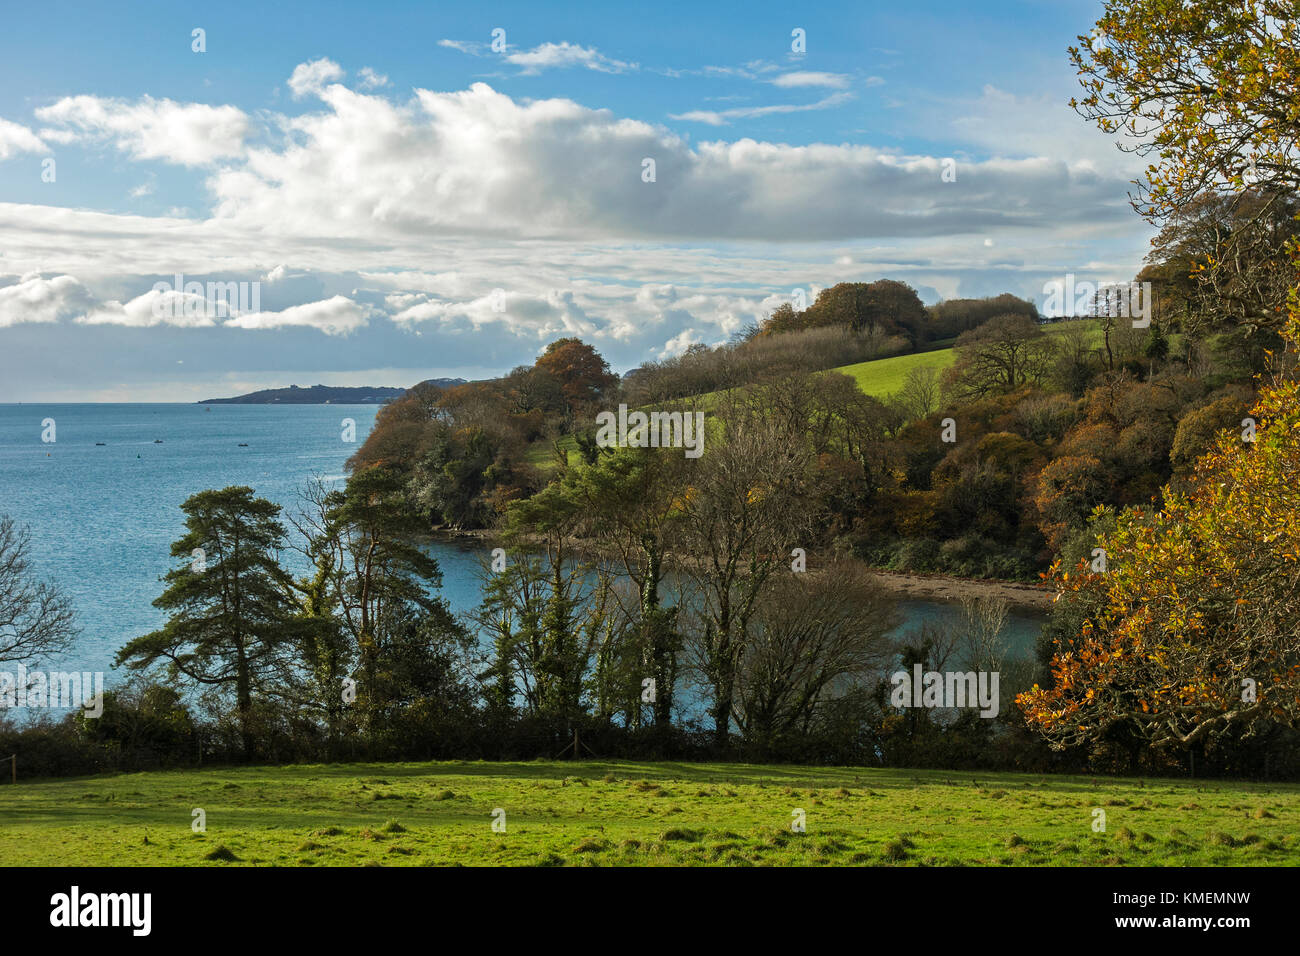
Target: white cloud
543	315
157	307
1002	123
547	56
463	46
370	80
544	199
64	298
680	343
338	315
559	55
454	284
36	299
802	78
401	215
313	76
477	162
190	134
15	139
723	117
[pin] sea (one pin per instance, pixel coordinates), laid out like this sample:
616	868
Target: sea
99	489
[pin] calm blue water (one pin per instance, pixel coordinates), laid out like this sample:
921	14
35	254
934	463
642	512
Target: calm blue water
102	518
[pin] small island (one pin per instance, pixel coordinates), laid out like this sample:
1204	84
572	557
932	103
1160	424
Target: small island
323	395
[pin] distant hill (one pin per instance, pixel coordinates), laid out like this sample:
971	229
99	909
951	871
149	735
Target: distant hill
324	395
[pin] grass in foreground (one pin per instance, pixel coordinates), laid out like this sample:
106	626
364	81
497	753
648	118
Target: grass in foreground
627	813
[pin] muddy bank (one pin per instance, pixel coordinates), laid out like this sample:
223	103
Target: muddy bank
938	587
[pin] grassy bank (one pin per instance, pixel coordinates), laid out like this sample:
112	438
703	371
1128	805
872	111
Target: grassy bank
884	377
621	813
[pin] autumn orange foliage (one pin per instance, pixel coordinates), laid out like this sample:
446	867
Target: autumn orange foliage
1192	631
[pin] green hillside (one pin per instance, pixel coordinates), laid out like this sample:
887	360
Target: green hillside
884	377
541	453
878	378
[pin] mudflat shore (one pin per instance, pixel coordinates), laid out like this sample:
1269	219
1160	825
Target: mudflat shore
939	587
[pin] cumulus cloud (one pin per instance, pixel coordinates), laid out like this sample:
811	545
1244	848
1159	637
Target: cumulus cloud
542	314
477	162
189	134
680	343
16	138
313	76
544	199
392	218
338	315
36	299
638	319
158	307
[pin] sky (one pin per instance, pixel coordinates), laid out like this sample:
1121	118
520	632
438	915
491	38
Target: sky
202	200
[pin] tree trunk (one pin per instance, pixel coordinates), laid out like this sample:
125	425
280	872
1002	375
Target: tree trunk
244	703
721	720
723	695
657	637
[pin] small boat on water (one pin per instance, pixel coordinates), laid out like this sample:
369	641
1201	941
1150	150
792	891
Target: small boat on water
243	444
157	441
99	443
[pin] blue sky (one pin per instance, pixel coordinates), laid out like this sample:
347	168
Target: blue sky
408	201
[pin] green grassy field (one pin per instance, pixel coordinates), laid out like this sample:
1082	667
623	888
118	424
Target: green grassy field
541	454
626	813
884	377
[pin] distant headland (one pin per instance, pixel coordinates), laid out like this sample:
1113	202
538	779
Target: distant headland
324	395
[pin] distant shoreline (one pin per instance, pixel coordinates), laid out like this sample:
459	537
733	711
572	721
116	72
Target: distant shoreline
327	394
314	395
